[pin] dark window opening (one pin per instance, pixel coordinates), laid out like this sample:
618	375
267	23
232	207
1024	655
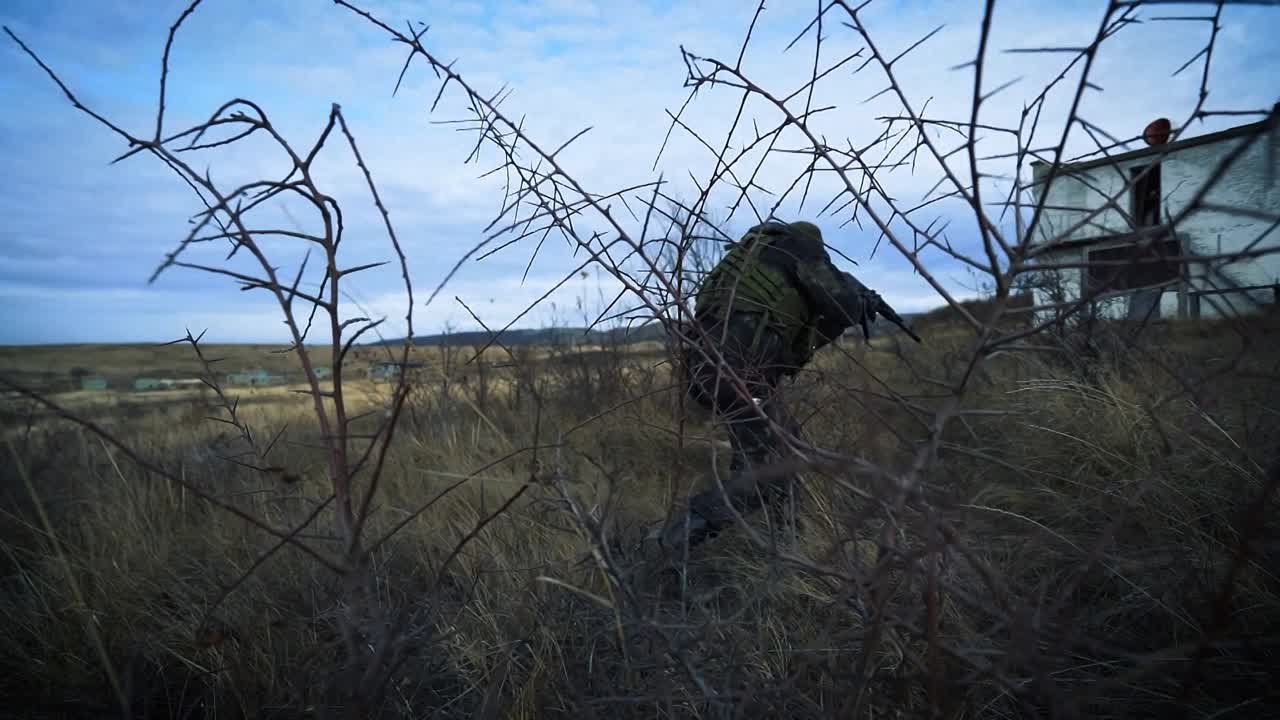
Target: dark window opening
1127	267
1145	195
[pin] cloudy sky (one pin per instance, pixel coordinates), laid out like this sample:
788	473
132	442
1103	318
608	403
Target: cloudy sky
80	237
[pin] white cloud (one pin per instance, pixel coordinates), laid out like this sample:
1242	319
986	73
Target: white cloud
573	63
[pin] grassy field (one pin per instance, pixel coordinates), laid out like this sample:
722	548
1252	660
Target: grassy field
178	359
54	371
1108	516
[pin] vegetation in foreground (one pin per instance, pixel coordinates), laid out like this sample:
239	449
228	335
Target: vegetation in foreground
1116	555
1010	525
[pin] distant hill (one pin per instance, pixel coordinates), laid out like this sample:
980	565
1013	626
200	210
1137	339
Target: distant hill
1019	303
540	336
648	332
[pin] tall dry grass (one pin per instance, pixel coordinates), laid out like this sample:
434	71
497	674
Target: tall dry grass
1002	523
116	585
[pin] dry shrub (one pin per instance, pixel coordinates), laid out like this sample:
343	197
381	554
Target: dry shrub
1022	517
1037	492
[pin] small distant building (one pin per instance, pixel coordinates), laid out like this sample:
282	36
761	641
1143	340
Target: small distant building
256	377
389	371
93	382
1131	261
239	378
323	373
145	384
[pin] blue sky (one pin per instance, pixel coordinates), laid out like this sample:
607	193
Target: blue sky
81	237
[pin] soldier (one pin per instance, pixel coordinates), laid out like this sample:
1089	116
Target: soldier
767	306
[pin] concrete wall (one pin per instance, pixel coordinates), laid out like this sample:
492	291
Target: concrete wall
1067	285
1252	182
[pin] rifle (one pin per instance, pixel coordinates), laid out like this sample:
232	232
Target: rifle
883	310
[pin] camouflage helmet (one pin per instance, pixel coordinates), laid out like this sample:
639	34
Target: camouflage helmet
806	229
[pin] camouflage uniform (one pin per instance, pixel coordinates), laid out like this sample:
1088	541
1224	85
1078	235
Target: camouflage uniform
771	302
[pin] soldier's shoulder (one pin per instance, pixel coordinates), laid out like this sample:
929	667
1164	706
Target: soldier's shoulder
807	247
809	254
799	246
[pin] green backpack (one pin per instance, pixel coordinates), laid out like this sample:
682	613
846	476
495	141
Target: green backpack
744	283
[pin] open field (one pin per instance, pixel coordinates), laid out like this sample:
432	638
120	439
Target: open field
57	368
116	578
1061	501
178	358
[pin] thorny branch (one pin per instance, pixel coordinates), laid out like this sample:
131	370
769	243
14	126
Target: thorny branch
909	509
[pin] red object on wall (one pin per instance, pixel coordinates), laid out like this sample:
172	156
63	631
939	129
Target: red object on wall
1157	132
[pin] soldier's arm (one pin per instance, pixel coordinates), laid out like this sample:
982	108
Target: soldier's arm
834	298
841	301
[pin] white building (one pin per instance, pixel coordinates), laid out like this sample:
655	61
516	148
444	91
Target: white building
1146	255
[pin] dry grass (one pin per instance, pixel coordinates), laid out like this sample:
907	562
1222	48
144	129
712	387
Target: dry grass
522	624
1079	528
54	369
178	359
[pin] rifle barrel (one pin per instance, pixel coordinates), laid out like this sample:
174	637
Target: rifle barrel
889	314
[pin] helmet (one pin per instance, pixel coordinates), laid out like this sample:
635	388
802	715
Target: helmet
807	229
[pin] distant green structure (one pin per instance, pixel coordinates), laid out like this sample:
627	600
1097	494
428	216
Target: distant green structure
247	377
388	371
258	377
323	373
93	382
144	384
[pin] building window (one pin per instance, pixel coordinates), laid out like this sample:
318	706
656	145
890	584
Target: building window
1145	195
1127	267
